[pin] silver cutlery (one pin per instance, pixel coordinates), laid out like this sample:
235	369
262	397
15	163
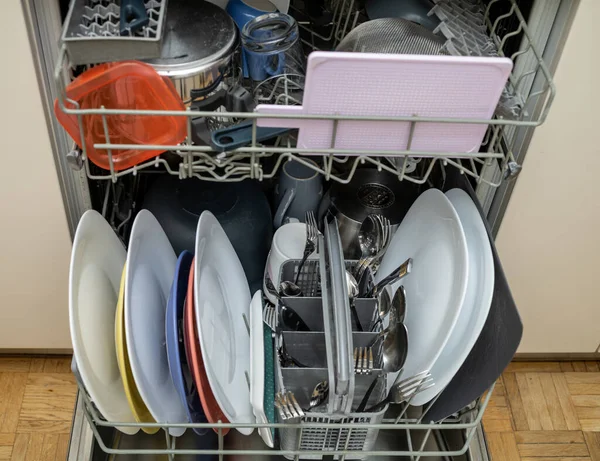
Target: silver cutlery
285	358
405	390
353	292
288	407
398	274
319	395
385	305
369	241
363	360
312	236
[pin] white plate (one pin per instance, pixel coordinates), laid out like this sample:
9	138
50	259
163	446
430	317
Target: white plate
151	264
480	288
257	369
432	235
97	258
222	311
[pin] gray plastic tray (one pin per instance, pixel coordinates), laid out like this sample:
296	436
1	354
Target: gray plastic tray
92	35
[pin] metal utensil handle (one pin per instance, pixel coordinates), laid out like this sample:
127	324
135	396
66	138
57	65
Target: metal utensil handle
402	271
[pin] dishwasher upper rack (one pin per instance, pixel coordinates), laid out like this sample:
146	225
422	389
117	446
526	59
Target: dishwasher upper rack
256	161
416	433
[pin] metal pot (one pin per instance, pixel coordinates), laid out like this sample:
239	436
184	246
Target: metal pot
369	192
200	50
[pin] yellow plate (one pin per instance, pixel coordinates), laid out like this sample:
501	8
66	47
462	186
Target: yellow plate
137	405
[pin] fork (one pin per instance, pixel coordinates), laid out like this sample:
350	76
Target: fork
401	391
312	234
288	407
363	360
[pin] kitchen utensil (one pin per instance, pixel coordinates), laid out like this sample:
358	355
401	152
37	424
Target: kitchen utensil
222	303
289	409
395	276
288	243
257	368
353	293
312	233
272	47
369	241
395	348
151	263
369	192
289	289
384	304
291	320
211	408
243	11
134	16
363	360
270	316
478	299
405	390
92	32
372	262
136	403
497	342
122	85
415	11
285	358
458	87
299	190
241	208
392	36
97	260
319	395
231	137
200	49
178	365
437	285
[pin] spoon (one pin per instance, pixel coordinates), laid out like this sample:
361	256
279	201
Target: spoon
369	241
289	317
290	289
395	307
395	348
404	390
319	395
352	294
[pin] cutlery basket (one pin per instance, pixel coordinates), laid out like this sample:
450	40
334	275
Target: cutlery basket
92	32
311	349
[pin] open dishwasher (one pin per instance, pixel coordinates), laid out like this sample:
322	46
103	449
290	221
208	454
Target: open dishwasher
120	191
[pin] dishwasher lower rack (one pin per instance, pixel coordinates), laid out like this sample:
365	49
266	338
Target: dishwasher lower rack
405	436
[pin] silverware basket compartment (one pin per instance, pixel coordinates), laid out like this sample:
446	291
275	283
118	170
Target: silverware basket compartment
311	349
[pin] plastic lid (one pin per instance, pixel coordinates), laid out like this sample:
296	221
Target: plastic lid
123	85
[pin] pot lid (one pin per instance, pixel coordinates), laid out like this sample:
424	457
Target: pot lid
197	34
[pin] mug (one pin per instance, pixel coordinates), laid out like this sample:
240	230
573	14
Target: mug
288	243
300	189
271	44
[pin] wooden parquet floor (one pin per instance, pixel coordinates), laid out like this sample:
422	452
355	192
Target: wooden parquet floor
545	411
539	411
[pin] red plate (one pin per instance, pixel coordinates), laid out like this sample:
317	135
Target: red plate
194	357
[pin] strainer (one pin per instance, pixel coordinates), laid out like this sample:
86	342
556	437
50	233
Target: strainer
392	36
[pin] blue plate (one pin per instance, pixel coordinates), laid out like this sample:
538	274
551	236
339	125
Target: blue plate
180	372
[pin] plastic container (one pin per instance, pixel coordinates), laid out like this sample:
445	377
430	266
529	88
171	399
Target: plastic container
123	85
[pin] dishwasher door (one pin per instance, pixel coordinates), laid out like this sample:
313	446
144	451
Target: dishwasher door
84	447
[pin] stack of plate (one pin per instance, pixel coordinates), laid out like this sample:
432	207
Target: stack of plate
161	339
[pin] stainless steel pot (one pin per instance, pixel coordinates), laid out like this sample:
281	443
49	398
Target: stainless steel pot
201	49
369	192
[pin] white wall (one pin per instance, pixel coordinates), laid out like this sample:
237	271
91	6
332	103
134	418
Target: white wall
34	238
549	240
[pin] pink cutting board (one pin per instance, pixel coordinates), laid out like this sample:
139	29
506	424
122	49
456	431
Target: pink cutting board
366	84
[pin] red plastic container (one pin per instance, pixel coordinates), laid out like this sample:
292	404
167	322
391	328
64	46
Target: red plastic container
123	85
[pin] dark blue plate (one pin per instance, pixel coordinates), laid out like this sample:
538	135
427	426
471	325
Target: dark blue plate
180	371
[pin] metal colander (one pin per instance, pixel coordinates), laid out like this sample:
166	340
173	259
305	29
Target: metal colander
392	36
